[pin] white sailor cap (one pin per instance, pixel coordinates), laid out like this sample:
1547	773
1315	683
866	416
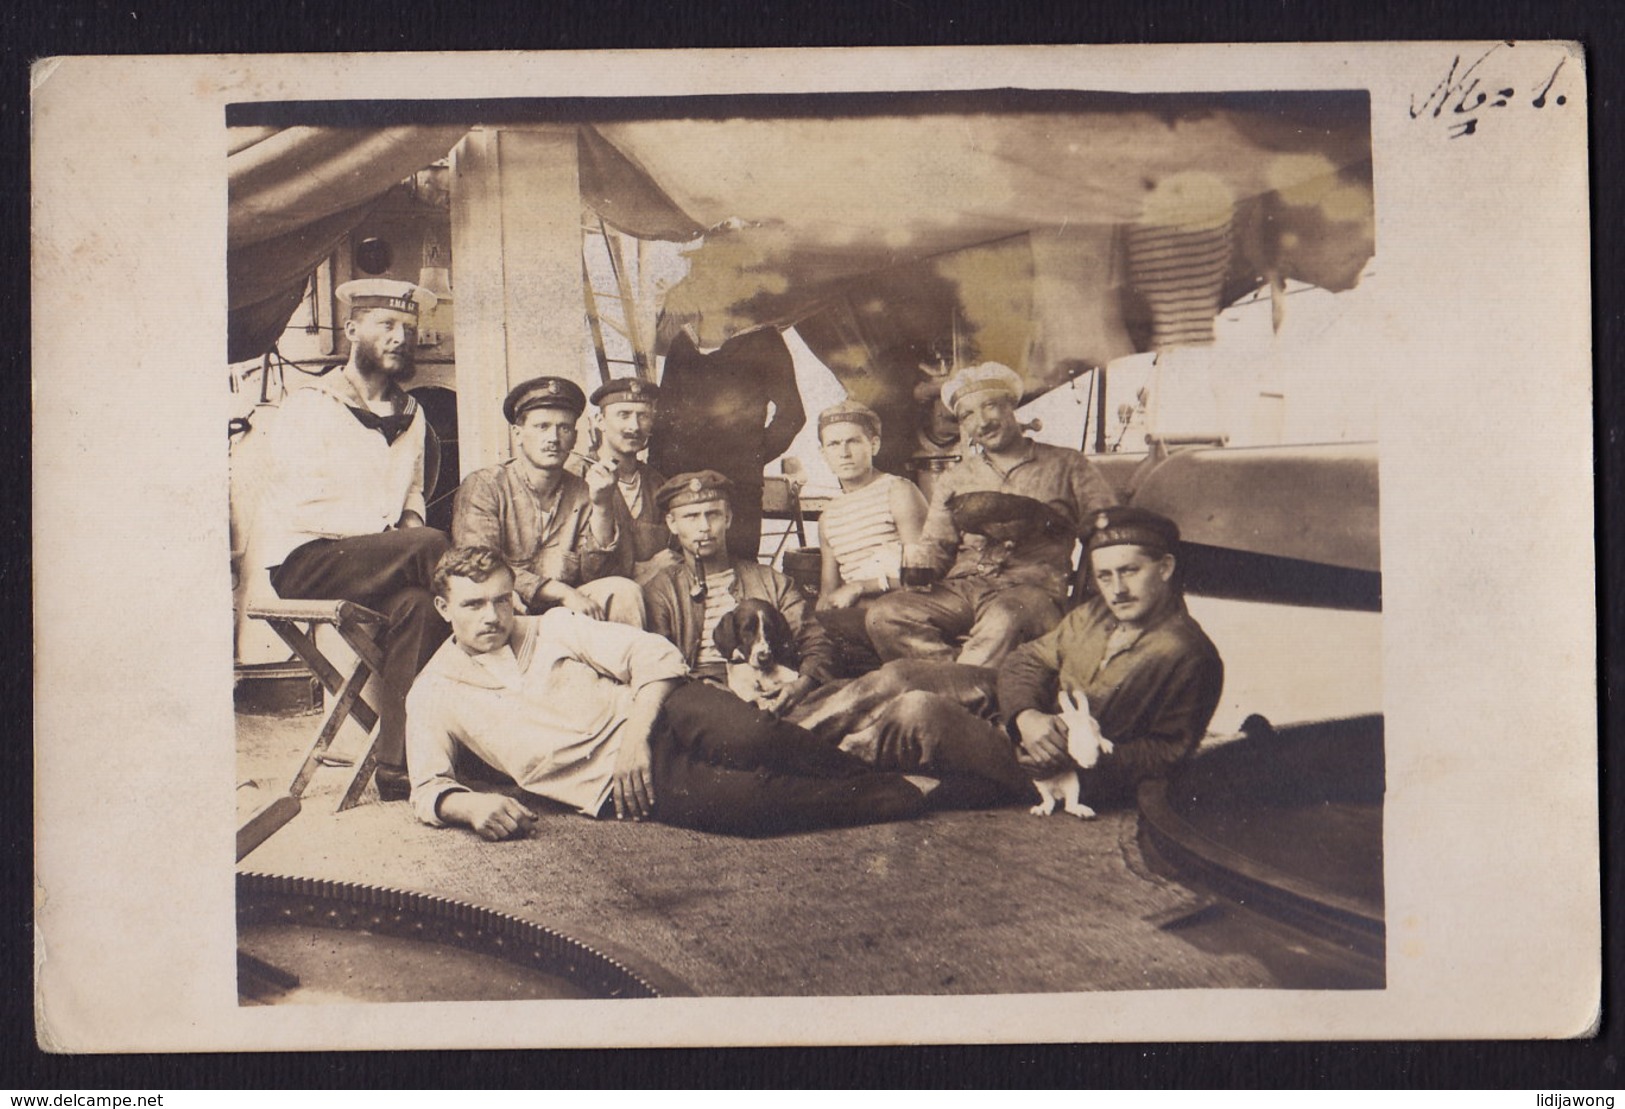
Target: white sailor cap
985	377
378	292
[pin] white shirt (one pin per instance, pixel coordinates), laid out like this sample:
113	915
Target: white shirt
329	477
557	732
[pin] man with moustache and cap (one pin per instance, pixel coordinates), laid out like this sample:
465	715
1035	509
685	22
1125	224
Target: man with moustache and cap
686	601
342	516
624	418
1150	675
995	596
567	539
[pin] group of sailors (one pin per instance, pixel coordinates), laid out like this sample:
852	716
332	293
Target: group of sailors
566	631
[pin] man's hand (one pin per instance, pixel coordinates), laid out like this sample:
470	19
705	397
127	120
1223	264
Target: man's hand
633	784
600	478
1043	747
792	695
577	601
844	595
898	749
409	519
491	815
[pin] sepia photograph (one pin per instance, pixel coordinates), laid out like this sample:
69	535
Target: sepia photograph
923	541
883	421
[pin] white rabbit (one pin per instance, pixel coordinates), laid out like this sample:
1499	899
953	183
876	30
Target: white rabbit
1085	744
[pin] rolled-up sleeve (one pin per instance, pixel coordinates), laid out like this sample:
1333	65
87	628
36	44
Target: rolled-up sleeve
614	559
938	534
627	654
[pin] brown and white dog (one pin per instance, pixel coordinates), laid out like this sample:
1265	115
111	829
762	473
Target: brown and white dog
755	641
1085	744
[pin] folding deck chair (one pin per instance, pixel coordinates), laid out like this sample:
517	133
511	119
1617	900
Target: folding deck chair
362	630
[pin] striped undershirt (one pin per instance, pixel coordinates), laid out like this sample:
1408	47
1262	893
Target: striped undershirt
858	526
1180	270
719	599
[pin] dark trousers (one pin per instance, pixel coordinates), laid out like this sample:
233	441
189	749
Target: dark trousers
721	765
992	619
933	718
834	711
854	654
745	530
390	573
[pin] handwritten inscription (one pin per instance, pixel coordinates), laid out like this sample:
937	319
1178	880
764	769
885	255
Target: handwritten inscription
1465	97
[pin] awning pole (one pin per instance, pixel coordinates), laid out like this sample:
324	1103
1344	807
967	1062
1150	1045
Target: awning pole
1100	409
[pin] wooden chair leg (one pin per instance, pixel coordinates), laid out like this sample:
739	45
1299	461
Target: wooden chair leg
305	647
343	708
358	781
347	704
391	708
265	820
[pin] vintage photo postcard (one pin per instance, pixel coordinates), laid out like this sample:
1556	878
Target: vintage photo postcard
814	547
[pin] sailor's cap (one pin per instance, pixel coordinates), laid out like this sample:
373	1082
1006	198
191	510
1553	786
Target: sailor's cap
625	390
543	392
1111	527
693	488
850	412
378	292
985	377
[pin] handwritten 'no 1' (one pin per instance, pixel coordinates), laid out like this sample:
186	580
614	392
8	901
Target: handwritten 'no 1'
1468	99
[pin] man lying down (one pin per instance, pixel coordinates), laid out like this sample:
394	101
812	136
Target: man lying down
604	717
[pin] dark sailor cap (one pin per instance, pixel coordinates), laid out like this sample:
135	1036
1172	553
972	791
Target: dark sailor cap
692	488
543	392
1111	527
625	390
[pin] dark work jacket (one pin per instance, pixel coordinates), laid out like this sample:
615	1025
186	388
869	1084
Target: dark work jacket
1153	700
675	614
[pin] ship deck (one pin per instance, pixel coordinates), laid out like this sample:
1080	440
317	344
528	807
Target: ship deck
955	903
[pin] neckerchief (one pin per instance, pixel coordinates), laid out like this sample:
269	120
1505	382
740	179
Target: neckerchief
390	427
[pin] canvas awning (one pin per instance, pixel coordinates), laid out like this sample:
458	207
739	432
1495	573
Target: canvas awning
1053	241
294	192
1002	233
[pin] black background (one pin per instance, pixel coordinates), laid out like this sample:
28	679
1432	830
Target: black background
31	29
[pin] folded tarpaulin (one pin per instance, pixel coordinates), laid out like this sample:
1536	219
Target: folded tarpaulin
293	193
